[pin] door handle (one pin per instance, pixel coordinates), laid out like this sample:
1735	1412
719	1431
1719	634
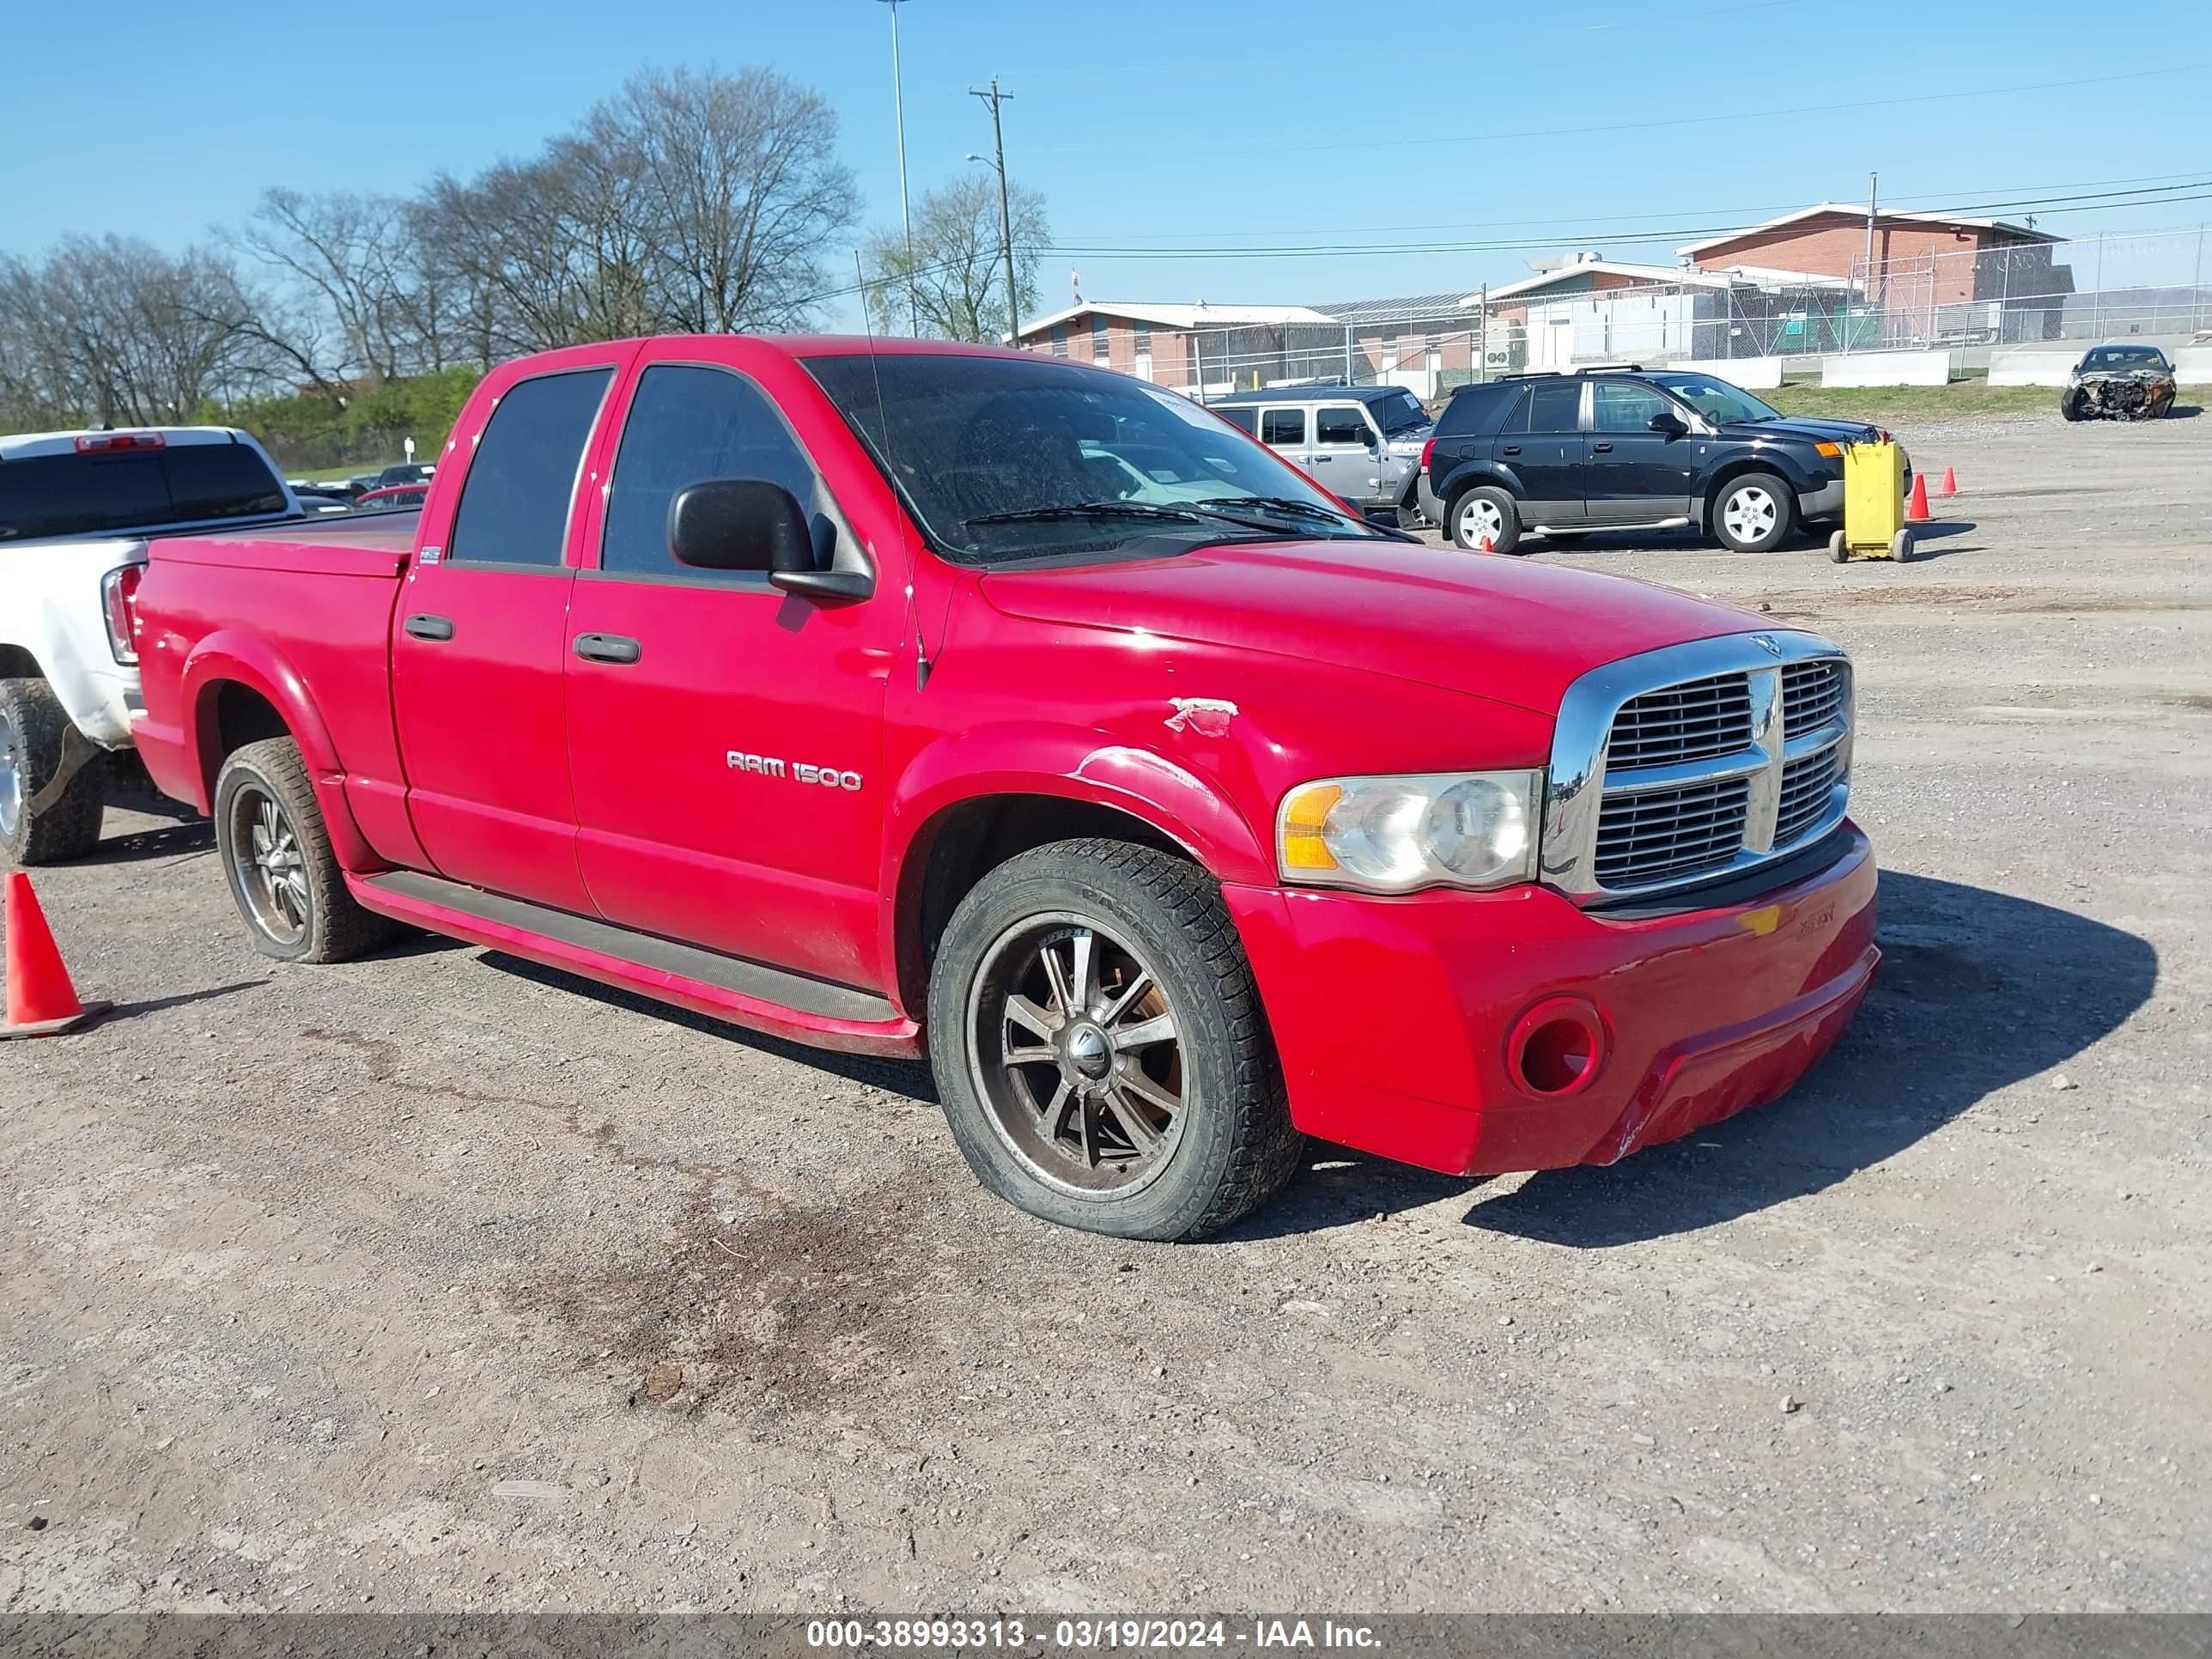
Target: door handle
429	627
1603	449
1322	460
1512	449
608	647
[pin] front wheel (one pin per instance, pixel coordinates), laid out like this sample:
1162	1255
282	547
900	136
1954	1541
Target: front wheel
276	856
1754	513
1100	1046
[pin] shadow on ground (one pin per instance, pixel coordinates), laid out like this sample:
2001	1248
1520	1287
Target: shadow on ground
1949	1021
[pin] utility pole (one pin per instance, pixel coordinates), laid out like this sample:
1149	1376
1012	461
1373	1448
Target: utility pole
1872	180
906	223
994	98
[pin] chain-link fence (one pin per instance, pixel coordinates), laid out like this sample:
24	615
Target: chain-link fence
2149	285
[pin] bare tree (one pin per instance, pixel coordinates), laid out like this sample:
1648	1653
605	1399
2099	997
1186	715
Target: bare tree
956	269
112	328
356	254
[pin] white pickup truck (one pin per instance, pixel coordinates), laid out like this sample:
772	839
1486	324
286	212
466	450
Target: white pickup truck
76	509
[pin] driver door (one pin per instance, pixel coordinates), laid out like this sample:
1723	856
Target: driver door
1635	475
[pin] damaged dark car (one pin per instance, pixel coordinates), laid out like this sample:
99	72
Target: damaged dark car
2120	383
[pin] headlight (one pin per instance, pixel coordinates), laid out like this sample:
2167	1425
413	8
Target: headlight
1395	835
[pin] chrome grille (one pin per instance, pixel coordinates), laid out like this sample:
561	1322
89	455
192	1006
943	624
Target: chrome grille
1664	835
1812	693
1696	720
1695	762
1807	784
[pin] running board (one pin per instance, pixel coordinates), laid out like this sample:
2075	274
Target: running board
748	993
1603	529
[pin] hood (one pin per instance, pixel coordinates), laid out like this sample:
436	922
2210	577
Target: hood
1409	441
1804	430
1499	628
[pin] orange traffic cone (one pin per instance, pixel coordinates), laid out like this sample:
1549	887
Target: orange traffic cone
1482	543
1916	512
41	1002
1950	484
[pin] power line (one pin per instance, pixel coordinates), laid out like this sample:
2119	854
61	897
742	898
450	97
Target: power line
1510	135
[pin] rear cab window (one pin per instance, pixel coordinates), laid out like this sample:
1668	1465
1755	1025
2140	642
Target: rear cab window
81	494
522	479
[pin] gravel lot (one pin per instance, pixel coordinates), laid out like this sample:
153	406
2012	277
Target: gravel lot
441	1281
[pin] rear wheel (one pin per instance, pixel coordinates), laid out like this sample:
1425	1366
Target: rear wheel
277	857
39	824
1100	1046
1486	513
1754	513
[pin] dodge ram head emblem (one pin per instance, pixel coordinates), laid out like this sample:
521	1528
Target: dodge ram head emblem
1765	642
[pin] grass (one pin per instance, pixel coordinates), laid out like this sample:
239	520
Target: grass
1878	402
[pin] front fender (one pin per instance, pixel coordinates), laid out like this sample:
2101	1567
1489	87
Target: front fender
247	659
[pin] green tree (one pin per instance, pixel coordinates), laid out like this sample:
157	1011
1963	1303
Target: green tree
955	271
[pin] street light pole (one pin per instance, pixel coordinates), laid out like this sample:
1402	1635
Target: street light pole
906	223
994	98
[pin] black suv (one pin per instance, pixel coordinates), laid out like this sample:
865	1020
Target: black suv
1562	455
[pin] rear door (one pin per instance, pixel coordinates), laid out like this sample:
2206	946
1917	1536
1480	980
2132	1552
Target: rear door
479	647
1635	475
1542	444
1283	425
725	737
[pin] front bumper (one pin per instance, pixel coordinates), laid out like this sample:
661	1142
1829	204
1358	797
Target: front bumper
1825	502
1397	1019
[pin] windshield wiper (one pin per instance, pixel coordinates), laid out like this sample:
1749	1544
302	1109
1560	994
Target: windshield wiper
1284	504
1089	510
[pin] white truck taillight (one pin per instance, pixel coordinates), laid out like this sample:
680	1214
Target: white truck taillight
118	596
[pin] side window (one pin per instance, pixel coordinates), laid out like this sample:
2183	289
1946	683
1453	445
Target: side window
1282	426
1340	424
686	425
1244	420
1625	406
1555	406
515	502
1518	420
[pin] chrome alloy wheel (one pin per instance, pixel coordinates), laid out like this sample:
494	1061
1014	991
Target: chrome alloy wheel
1750	513
266	862
11	778
1077	1055
1480	516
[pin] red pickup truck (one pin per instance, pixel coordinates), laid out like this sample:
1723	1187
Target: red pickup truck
903	698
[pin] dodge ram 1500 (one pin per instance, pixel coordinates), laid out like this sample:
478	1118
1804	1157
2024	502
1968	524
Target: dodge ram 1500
917	699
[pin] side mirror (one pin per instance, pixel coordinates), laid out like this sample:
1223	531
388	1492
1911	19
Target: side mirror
1671	426
750	523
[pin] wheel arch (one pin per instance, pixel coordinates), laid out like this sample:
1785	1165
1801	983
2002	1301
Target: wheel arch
239	690
17	663
953	821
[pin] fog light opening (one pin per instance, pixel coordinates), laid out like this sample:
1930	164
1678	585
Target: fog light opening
1556	1047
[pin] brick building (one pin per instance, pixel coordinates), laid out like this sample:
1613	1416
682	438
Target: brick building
1183	345
1934	276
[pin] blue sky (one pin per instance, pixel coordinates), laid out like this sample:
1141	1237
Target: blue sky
1154	125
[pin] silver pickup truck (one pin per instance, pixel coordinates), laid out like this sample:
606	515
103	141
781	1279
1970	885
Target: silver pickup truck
76	509
1361	443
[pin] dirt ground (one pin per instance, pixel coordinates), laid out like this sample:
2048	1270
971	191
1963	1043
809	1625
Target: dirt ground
440	1281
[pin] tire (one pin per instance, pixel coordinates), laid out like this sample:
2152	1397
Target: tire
34	733
277	857
1163	956
1837	553
1754	513
1484	506
2070	407
1901	547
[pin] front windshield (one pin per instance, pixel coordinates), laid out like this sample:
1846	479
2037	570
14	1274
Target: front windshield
1005	458
2125	357
1399	412
1716	400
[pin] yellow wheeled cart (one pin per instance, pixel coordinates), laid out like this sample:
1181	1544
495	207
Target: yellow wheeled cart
1874	505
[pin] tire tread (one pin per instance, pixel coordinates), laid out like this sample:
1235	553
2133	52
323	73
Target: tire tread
70	828
342	929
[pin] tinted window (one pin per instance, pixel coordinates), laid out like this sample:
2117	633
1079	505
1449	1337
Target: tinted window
1476	407
1625	406
1244	420
1002	459
1555	406
1283	425
687	425
2125	357
1339	425
76	494
515	502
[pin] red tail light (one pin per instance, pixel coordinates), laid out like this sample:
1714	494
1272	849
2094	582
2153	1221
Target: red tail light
1427	450
118	593
98	442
